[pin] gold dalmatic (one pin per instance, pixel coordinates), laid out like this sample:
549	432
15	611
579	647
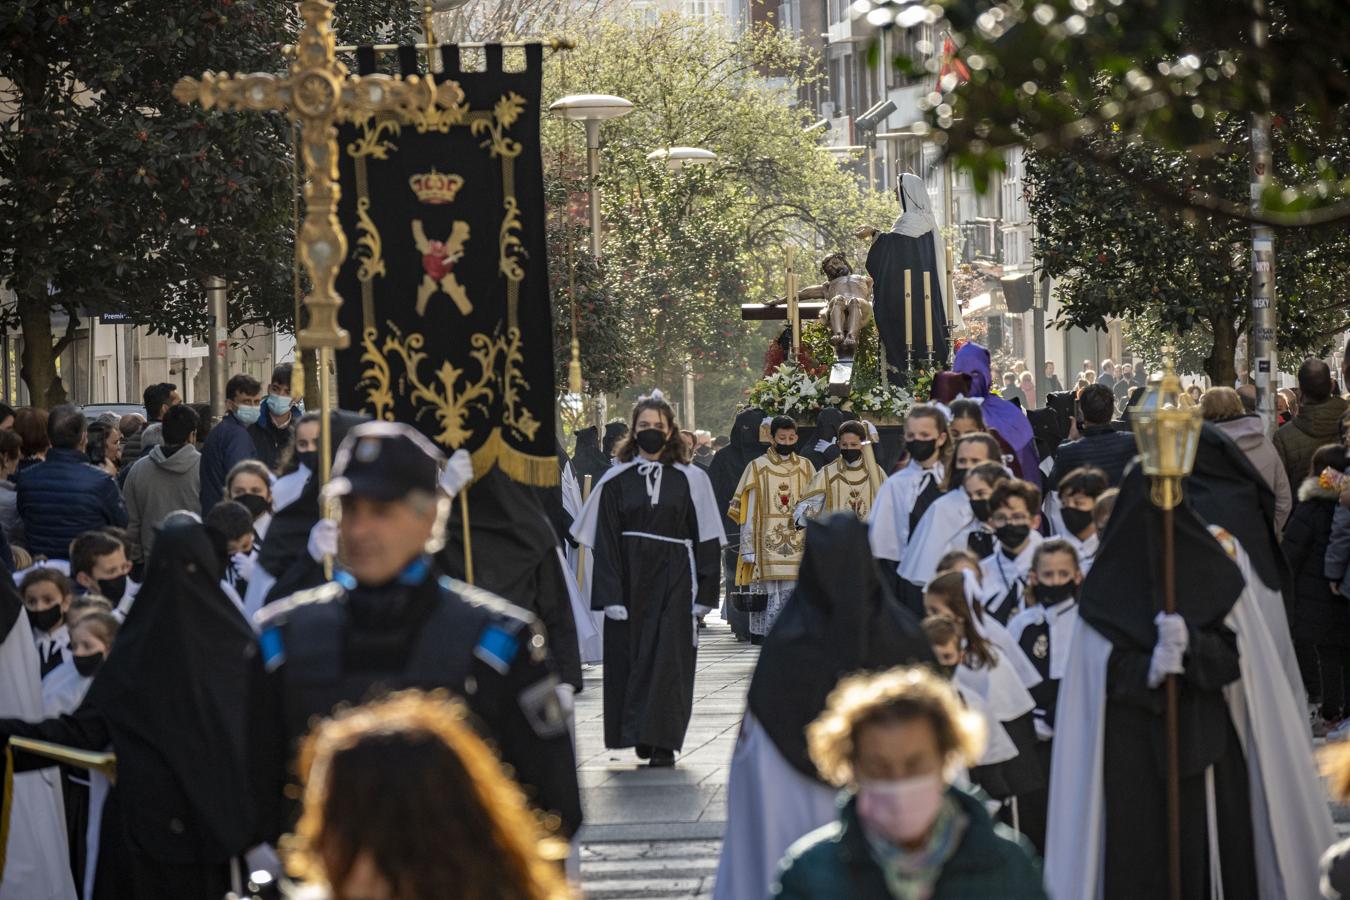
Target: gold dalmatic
846	487
779	484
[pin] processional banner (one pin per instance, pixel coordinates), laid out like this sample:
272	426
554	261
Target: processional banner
444	212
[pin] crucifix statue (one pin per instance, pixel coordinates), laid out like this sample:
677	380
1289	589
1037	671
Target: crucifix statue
848	302
319	93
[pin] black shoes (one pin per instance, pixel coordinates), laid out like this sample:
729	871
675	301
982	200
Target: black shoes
662	758
644	751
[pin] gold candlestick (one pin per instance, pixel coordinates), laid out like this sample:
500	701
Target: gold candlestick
909	317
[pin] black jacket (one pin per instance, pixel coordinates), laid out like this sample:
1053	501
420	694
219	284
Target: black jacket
269	441
1319	616
1100	446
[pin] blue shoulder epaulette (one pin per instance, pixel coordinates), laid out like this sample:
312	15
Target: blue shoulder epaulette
273	616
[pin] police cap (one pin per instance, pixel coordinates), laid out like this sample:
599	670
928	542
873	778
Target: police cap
384	461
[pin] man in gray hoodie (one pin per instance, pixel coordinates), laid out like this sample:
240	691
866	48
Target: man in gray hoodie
162	481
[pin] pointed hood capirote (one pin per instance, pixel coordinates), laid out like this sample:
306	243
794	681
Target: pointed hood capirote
729	463
588	458
841	620
1004	417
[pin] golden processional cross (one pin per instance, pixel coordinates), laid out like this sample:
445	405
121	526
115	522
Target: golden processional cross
318	92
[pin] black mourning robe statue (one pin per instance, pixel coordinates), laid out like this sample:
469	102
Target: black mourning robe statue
911	245
655	538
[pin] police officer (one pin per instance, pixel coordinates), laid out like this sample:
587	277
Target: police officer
389	621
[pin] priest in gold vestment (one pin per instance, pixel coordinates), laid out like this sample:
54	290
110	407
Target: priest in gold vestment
771	544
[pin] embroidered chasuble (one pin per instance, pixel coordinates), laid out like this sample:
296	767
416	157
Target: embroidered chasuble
763	505
839	486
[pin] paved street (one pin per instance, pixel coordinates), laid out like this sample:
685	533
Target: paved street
657	832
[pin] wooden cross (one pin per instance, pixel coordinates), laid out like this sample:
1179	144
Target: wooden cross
319	93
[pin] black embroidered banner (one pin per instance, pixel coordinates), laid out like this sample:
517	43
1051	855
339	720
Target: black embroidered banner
446	280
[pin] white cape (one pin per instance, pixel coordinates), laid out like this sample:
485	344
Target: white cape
700	491
944	526
1290	820
37	863
769	806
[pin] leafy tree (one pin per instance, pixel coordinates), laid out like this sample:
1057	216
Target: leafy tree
683	250
116	196
1182	271
1057	74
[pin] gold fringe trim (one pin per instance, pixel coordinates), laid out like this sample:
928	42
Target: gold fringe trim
6	805
539	471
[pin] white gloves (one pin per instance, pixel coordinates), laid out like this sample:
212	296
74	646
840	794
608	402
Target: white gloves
617	613
263	858
1043	731
458	472
1173	638
822	446
323	540
700	610
243	564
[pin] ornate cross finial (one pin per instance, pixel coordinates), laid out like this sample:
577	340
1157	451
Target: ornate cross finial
318	93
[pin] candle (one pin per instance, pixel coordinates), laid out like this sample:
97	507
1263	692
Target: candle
928	310
909	314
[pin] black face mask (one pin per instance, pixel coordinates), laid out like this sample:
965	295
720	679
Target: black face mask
309	459
785	449
45	619
851	455
947	672
113	588
703	450
1012	535
256	504
1076	520
958	478
1049	595
88	664
921	451
981	509
650	440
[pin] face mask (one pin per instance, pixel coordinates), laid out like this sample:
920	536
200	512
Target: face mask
703	450
46	619
309	459
113	588
256	504
650	440
1049	595
1076	520
1284	418
958	478
277	405
921	451
1012	535
981	509
947	672
901	812
87	665
851	456
248	415
785	449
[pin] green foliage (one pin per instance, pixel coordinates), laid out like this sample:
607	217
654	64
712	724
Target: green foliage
1056	74
1182	271
116	196
683	250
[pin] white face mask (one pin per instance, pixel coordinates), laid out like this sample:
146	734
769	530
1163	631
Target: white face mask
900	811
247	414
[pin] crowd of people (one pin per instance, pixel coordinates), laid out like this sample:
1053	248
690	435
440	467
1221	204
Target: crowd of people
961	647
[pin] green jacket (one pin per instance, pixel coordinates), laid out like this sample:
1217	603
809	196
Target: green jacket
834	862
1316	424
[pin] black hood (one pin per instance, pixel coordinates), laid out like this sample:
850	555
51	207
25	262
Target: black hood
1123	592
614	432
1226	490
588	458
841	619
174	691
728	464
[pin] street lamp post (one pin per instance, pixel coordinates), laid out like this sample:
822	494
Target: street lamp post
1166	427
592	109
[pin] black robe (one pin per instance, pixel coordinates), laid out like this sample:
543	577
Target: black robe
1120	598
725	472
891	255
515	557
649	658
588	458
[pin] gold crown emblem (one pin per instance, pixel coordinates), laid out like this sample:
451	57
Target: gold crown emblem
435	188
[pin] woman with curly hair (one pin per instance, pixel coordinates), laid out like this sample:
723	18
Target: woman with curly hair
894	741
404	802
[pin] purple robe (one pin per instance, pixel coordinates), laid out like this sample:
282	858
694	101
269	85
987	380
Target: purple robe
1006	418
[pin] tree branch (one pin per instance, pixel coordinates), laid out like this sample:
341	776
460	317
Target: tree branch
72	323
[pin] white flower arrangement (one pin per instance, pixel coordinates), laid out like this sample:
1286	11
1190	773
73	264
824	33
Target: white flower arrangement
790	391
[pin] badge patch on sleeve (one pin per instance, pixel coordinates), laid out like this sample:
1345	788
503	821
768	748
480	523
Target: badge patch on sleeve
497	647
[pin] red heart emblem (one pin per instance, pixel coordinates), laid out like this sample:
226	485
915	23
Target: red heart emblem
434	261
